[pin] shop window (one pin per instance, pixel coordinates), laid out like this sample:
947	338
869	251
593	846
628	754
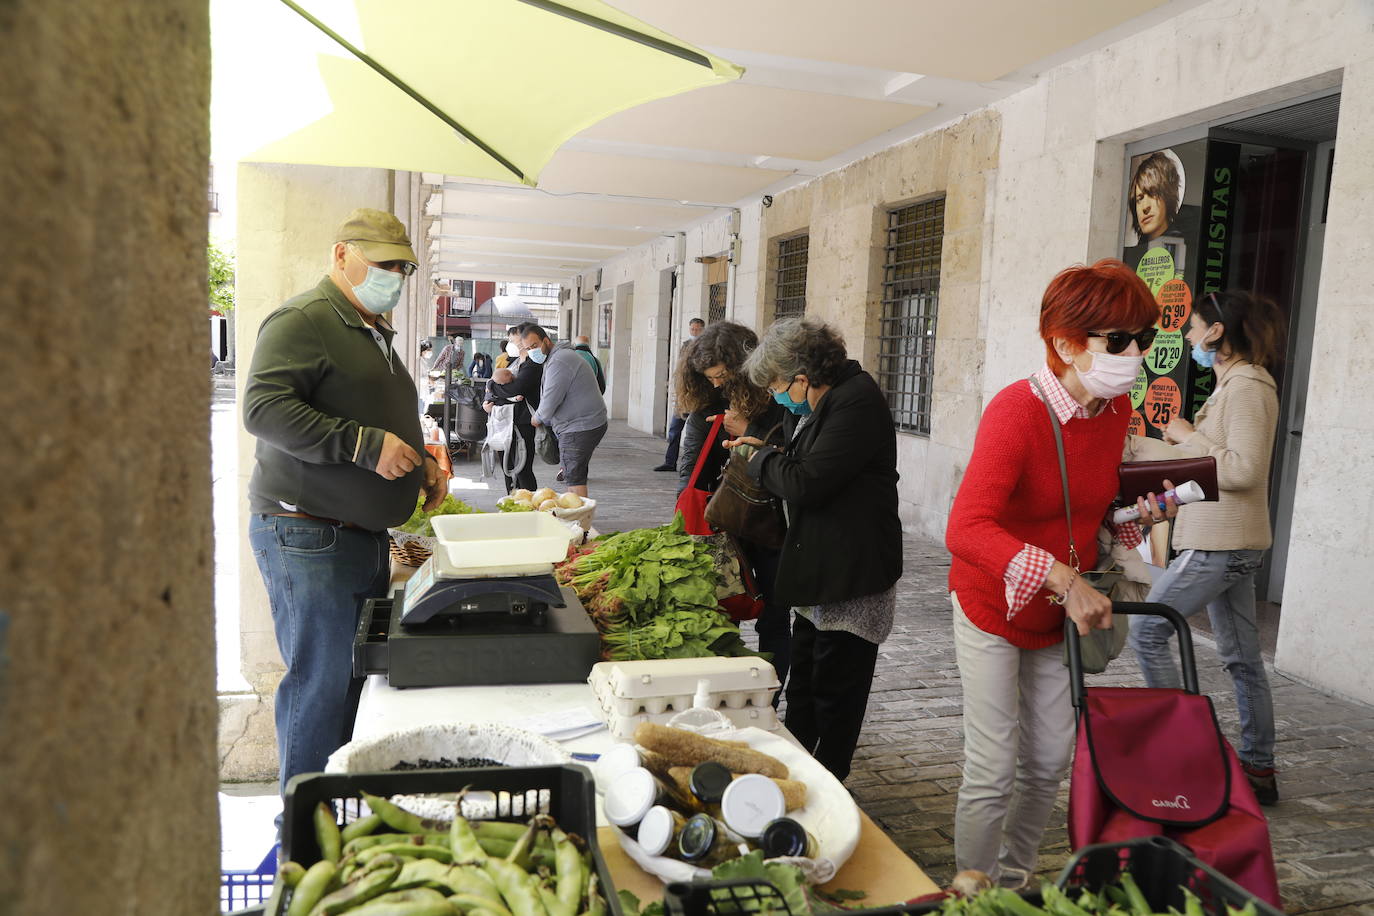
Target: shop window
790	300
911	303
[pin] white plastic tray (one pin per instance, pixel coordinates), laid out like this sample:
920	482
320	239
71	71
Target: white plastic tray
622	728
663	685
498	543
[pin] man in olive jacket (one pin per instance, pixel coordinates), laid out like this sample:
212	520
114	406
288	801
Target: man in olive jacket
339	460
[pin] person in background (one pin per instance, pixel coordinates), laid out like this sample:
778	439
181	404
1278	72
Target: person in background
1011	578
450	359
340	458
481	367
842	555
711	380
569	403
583	345
1220	545
512	351
517	385
679	418
426	356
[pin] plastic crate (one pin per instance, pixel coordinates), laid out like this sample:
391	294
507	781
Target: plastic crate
1162	868
565	793
240	889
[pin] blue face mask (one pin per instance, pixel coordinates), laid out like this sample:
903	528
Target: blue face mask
380	290
1204	358
785	399
538	356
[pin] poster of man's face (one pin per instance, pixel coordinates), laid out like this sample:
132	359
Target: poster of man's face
1154	196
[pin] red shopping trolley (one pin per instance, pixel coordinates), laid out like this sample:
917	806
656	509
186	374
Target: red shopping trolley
1153	762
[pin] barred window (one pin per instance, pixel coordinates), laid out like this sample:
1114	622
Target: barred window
911	302
791	292
715	307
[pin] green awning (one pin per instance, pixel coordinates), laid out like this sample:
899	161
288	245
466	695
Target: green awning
518	76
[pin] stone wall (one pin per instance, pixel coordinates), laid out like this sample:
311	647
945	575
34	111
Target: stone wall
107	665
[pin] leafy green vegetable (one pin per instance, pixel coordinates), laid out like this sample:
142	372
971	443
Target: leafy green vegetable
510	505
419	521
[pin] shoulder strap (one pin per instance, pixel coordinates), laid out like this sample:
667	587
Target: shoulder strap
1063	467
706	445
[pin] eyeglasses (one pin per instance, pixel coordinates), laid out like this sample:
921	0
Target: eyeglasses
405	267
1120	340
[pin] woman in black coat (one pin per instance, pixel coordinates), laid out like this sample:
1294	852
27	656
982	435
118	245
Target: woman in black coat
837	477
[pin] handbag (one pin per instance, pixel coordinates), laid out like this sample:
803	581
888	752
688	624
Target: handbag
745	509
691	502
1141	478
1100	646
546	444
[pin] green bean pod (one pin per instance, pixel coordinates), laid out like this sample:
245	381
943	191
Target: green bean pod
327	833
500	830
290	873
367	883
361	827
409	850
311	888
570	875
519	889
464	843
424	873
472	881
596	904
394	817
467	903
421	901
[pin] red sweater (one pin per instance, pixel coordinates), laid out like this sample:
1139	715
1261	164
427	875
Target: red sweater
1011	496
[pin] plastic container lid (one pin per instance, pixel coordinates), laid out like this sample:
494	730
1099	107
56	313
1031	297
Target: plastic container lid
749	803
656	830
630	797
614	763
709	781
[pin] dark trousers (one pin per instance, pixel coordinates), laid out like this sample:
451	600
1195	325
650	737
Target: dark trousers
521	477
774	625
675	426
827	693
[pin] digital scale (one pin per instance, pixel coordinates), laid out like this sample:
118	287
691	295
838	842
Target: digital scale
455	623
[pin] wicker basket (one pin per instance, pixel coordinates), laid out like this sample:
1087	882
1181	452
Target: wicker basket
410	549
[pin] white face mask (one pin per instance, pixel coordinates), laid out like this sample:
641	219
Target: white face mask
1110	375
512	350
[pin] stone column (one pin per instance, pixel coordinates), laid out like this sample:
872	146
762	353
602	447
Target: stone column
107	663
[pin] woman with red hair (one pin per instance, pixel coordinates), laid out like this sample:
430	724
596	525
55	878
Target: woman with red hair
1012	578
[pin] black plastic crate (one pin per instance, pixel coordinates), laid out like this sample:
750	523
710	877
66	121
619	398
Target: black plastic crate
751	897
565	793
1162	868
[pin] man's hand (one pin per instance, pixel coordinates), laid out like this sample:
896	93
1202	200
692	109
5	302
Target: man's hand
534	421
397	459
436	483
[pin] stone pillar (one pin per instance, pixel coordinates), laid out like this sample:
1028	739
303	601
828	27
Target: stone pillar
287	217
107	663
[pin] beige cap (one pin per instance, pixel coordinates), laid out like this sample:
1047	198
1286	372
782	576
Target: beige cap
378	234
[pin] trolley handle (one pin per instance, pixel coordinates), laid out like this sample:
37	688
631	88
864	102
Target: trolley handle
1185	646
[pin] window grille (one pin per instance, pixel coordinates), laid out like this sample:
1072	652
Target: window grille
911	301
715	308
790	301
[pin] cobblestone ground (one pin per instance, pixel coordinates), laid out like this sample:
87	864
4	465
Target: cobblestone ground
907	768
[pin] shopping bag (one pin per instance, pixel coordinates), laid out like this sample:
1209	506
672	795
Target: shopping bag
691	502
546	444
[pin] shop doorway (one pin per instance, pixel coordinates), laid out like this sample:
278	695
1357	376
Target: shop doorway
1248	212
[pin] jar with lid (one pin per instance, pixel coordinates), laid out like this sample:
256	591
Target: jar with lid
750	803
785	837
634	792
658	831
707	783
705	842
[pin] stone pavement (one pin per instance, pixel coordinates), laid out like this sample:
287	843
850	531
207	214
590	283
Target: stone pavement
907	769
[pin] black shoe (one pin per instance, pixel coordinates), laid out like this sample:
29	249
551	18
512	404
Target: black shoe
665	467
1264	783
559	478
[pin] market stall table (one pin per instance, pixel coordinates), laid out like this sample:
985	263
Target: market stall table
877	867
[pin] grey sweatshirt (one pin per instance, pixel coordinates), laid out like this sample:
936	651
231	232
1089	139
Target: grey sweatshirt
569	399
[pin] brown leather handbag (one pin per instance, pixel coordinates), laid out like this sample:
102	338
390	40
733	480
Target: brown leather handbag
745	509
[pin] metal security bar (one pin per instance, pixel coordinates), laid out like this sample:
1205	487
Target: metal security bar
715	307
911	303
790	301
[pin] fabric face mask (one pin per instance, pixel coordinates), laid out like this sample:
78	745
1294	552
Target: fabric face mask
785	399
380	290
1110	375
1204	358
512	351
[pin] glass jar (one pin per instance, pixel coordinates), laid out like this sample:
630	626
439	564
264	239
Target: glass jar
750	803
707	783
631	796
705	842
659	829
785	837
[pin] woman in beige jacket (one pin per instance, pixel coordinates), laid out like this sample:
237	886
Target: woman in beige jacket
1220	544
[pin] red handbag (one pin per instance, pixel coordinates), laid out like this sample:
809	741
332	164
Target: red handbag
691	502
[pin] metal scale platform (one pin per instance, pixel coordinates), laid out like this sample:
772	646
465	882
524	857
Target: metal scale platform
443	630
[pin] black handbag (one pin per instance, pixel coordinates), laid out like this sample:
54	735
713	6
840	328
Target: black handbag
546	444
745	509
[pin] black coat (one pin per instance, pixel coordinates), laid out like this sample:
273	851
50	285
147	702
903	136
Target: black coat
839	479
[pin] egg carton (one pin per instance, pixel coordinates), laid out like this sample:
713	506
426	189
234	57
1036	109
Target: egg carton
667	686
622	728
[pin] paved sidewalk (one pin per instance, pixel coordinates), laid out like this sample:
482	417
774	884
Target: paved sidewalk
906	772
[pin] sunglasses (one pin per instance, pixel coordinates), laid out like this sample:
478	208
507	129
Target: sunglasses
1120	340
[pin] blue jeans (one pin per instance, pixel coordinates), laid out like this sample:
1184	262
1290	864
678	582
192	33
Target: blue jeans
1223	581
675	426
317	576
